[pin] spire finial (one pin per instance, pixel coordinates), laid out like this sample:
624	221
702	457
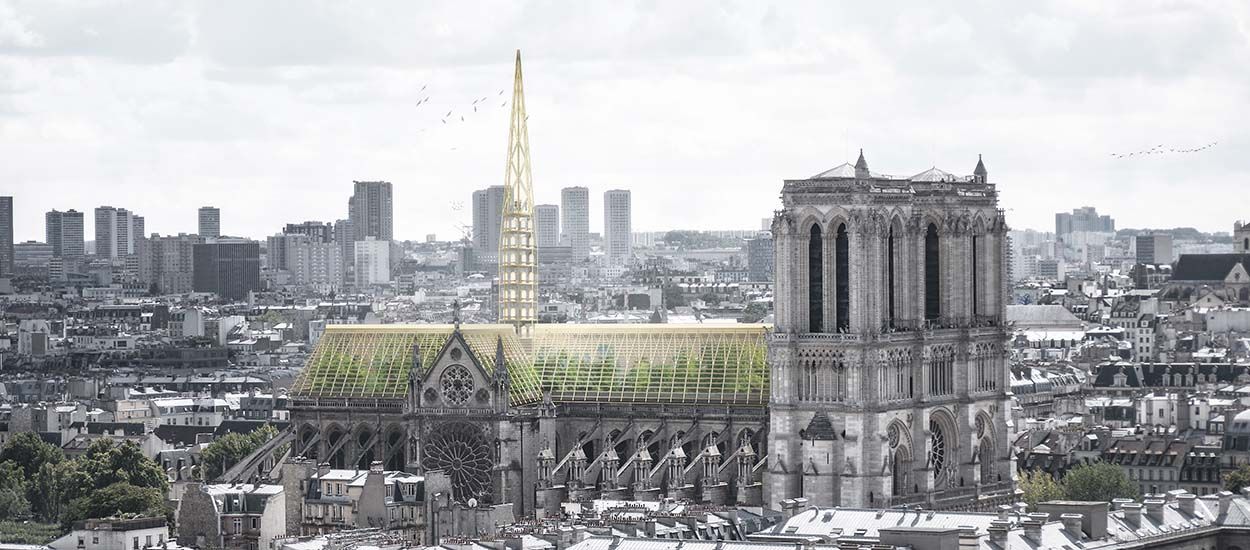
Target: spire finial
861	166
980	174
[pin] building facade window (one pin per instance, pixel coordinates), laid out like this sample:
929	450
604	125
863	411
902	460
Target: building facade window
932	277
842	276
815	281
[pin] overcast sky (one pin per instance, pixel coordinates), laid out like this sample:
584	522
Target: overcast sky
269	109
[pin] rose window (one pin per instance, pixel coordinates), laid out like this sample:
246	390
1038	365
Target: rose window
461	451
457	385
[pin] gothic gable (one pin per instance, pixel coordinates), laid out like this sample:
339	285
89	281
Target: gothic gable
457	378
1237	275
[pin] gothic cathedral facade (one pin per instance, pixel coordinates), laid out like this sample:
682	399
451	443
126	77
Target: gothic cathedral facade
887	356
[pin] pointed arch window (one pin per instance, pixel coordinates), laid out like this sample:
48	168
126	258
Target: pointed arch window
815	281
889	270
932	277
842	275
976	274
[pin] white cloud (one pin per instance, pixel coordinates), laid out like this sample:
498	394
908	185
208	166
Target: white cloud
270	109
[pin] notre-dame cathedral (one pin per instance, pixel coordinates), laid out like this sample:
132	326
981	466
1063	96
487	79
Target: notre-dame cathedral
882	381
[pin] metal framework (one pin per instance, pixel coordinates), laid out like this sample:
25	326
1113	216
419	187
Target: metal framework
661	364
518	275
691	364
372	361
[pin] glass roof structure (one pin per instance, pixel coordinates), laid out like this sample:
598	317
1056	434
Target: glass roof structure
372	361
652	363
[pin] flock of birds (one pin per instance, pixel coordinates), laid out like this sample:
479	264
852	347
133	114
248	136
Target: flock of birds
478	105
1160	150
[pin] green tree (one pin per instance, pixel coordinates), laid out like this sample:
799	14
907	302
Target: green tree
228	450
30	452
106	463
1098	481
13	502
754	312
116	500
45	490
1236	479
1039	486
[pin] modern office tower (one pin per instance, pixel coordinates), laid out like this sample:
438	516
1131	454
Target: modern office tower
52	228
1084	219
1154	249
210	222
106	232
575	223
278	250
487	213
617	249
32	255
317	264
115	231
370	210
760	257
229	268
168	263
317	231
345	235
137	227
373	262
64	231
6	236
547	225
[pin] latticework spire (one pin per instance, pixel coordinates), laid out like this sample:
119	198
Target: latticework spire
518	275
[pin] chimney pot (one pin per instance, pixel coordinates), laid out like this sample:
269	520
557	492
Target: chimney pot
1004	512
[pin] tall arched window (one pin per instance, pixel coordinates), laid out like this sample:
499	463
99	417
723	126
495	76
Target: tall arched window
815	281
976	274
889	270
1245	244
842	275
932	278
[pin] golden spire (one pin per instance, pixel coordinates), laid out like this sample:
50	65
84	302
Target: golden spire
518	275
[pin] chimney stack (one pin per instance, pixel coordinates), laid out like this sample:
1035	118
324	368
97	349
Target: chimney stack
1072	524
1132	514
1186	503
1226	499
1033	525
1118	503
787	508
998	532
1004	512
1154	509
323	469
